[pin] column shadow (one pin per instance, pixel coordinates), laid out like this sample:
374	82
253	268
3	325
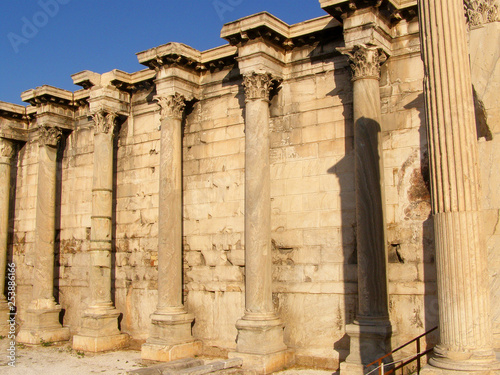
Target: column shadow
57	238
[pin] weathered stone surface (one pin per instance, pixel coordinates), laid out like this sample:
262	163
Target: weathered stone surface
311	236
466	339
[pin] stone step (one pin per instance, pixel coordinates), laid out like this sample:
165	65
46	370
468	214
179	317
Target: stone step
191	366
163	368
213	367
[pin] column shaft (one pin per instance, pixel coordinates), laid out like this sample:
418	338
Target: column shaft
99	331
6	151
371	331
170	335
258	257
260	332
370	202
101	230
170	218
43	275
462	274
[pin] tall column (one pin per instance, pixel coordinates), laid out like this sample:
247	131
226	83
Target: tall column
371	331
260	331
100	321
170	334
6	153
42	318
462	274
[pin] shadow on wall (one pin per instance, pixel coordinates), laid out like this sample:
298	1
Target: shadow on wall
421	194
19	151
57	239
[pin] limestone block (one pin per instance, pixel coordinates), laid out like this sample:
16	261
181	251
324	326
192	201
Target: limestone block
300	152
214	257
324	131
236	257
322	200
302	185
176	365
485	70
225	308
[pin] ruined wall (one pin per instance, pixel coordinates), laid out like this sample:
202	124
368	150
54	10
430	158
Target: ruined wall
485	70
313	206
214	179
411	270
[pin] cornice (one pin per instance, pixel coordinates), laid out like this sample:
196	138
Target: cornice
392	10
46	94
13	122
273	30
50	106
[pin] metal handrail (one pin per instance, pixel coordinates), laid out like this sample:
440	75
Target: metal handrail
403	362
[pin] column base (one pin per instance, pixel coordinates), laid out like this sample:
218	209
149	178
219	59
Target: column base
170	338
260	344
42	325
4	318
369	340
431	370
479	362
100	332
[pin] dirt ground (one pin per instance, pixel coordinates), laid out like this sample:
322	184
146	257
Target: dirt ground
63	360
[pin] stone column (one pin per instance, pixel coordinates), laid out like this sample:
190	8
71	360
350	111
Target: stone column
260	331
42	318
6	153
170	334
100	321
371	331
462	274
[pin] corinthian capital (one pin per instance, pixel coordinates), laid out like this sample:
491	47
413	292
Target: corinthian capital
171	106
479	12
104	122
365	61
49	136
258	85
6	148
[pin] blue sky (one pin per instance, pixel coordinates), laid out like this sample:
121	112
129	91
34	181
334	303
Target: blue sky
45	41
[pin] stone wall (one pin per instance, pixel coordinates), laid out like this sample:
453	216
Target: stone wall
313	222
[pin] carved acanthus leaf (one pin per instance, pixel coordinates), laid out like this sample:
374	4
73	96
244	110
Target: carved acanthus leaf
258	85
171	106
49	136
6	148
479	12
104	122
365	61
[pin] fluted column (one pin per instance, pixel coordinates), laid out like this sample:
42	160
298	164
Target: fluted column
6	153
42	318
371	331
462	273
170	334
260	331
100	321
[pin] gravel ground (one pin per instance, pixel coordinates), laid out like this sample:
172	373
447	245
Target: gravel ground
62	360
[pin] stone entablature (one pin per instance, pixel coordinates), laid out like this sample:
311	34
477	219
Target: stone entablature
170	223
